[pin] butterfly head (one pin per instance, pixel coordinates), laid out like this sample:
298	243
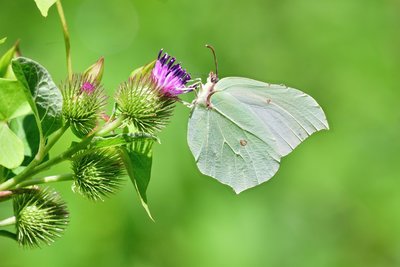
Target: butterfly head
207	90
212	77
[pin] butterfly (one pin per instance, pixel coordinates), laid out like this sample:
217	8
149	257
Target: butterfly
240	128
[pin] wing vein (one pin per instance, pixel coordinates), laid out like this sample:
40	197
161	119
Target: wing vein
235	123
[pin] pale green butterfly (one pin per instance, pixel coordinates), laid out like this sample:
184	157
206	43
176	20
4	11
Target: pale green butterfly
240	128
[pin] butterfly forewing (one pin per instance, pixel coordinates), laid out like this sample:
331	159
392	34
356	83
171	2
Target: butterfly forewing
288	113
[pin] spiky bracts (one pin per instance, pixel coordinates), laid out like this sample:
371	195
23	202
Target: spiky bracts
41	216
82	103
143	103
97	172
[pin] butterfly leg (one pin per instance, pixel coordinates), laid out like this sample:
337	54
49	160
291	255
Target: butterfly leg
188	104
196	83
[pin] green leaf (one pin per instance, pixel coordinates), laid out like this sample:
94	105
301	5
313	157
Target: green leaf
26	129
5	61
3	40
12	148
240	128
137	158
12	100
42	93
120	139
13	105
44	6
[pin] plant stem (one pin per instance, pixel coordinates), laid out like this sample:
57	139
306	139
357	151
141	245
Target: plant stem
57	135
114	112
72	150
109	127
63	156
5	195
8	221
36	161
8	234
47	179
66	38
35	167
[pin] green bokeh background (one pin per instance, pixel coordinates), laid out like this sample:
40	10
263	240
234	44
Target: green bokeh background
334	202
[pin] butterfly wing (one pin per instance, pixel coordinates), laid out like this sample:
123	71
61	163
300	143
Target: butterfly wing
249	126
288	113
231	144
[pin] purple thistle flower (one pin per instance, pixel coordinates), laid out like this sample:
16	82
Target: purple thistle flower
83	100
88	87
170	77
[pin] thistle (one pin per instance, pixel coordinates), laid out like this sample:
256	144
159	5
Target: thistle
82	103
97	172
41	216
171	78
147	99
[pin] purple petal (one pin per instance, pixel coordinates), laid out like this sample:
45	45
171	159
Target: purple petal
87	87
170	77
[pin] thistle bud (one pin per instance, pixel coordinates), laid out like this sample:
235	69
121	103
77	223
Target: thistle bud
144	70
97	172
95	71
148	98
142	103
82	102
41	216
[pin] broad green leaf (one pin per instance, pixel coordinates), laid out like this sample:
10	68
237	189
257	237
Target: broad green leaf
120	139
2	40
13	105
12	100
12	148
42	93
26	129
137	158
3	173
44	6
5	61
249	125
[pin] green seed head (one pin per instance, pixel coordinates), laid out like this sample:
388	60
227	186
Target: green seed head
141	101
97	172
82	103
41	216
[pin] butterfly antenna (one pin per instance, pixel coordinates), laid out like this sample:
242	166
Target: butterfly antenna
215	58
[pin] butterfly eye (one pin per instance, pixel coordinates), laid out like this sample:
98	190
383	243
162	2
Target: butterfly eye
213	77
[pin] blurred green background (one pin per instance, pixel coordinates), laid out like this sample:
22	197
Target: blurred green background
334	202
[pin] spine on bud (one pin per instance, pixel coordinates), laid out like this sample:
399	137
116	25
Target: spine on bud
97	172
142	102
41	216
82	103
